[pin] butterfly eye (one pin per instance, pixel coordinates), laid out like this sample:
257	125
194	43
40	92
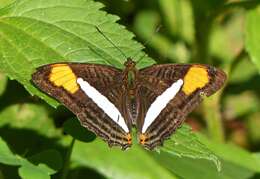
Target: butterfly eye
202	94
130	64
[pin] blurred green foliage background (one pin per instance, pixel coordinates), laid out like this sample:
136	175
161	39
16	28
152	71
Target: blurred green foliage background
39	141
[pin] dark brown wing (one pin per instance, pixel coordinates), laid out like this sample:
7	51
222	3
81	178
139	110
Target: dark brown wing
60	82
198	80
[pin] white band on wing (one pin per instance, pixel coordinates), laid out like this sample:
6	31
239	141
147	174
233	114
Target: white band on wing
160	103
103	103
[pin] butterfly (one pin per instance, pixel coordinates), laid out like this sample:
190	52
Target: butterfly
110	101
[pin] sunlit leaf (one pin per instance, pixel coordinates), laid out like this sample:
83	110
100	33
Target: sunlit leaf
233	154
203	169
28	117
40	32
186	144
6	155
29	171
117	164
146	26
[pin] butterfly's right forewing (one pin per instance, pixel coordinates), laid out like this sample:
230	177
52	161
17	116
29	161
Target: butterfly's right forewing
93	92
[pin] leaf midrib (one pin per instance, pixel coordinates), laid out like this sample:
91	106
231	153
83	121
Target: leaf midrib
54	25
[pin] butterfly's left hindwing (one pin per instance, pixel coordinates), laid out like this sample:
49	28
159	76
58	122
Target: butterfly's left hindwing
71	83
189	82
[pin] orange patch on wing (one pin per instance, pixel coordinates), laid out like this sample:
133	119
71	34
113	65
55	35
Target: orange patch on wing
142	138
196	77
129	138
62	76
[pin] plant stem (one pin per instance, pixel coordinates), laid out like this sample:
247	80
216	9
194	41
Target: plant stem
67	160
241	55
202	35
211	108
212	114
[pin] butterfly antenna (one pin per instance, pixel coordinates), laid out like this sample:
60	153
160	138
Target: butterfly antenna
146	42
110	41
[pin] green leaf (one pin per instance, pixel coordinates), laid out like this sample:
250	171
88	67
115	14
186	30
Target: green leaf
30	123
233	154
203	169
235	108
28	117
117	164
257	157
240	74
253	125
5	3
40	32
3	83
145	25
73	128
253	36
28	170
51	158
6	155
184	143
224	43
178	18
201	7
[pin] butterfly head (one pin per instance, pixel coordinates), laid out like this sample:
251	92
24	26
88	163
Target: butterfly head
130	64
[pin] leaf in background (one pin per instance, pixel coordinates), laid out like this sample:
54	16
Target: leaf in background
253	126
253	36
240	74
31	123
227	38
202	169
145	25
117	164
257	156
6	155
50	157
203	7
5	3
235	105
178	18
233	154
3	82
28	170
40	32
28	117
184	143
73	128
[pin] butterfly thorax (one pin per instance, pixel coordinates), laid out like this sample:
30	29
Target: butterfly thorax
131	100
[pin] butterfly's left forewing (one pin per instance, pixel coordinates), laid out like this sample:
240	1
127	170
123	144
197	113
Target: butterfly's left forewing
93	92
169	93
